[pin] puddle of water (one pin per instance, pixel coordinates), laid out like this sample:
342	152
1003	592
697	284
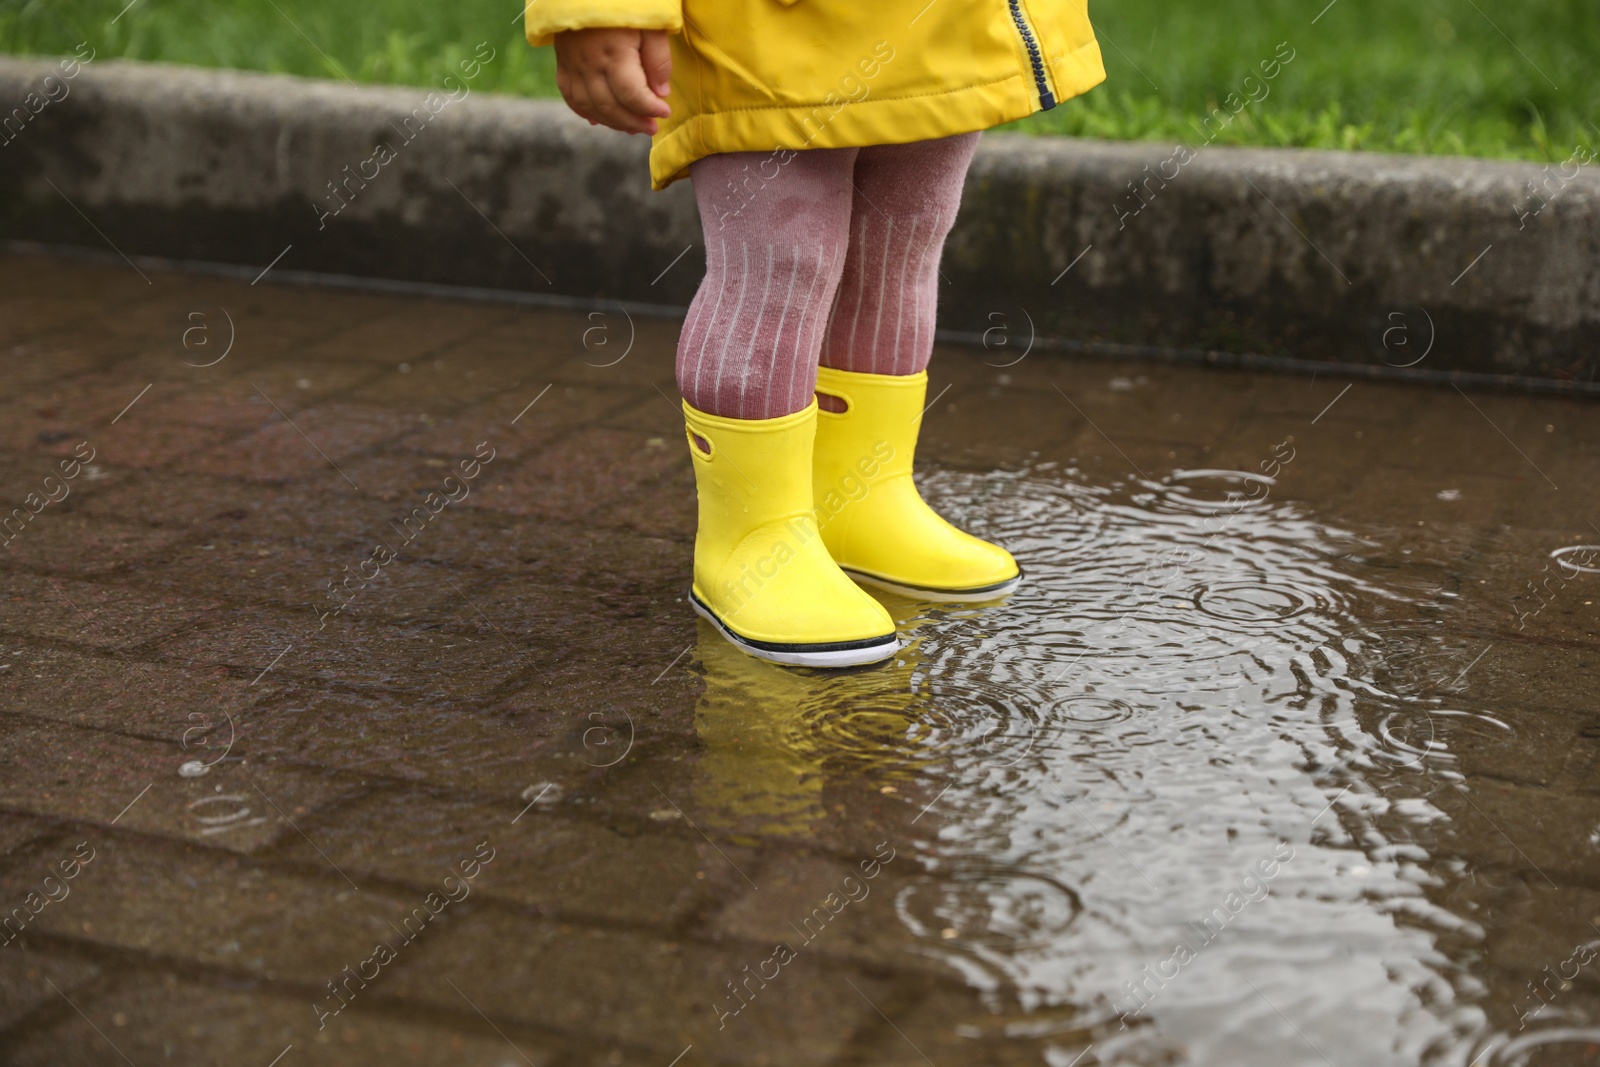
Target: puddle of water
1180	797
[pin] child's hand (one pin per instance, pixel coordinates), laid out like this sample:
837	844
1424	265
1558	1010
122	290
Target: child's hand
615	77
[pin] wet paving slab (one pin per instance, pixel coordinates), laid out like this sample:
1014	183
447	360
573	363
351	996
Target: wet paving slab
352	712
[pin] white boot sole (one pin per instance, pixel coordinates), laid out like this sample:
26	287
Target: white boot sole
800	656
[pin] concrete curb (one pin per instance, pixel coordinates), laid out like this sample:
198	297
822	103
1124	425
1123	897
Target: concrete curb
1358	259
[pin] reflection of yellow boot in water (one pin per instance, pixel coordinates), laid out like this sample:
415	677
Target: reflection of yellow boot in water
751	780
873	520
768	735
761	573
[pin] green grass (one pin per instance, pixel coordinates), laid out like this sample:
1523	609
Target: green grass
394	42
1431	76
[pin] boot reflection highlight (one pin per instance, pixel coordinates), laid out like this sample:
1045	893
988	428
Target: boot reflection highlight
773	736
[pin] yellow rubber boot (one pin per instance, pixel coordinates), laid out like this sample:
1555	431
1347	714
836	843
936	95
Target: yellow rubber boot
761	573
872	518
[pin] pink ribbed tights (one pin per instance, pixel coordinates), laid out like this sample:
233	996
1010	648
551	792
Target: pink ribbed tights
828	253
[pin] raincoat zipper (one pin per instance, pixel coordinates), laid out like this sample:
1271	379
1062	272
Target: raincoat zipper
1046	99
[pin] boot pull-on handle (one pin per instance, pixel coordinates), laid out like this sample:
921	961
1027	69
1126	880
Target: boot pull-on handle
832	403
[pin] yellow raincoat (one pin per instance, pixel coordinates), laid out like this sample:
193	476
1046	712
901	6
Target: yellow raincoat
780	75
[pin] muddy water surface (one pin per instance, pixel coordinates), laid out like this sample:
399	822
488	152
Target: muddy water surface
1285	753
1196	793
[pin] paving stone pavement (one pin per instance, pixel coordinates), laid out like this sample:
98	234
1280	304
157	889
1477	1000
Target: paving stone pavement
280	752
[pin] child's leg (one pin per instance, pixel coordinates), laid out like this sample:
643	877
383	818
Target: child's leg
904	202
776	237
873	384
